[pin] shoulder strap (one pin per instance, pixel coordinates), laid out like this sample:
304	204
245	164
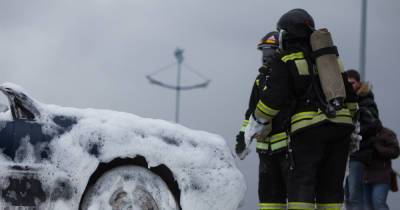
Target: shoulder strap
315	86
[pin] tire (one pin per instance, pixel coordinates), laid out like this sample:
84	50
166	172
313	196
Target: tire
129	188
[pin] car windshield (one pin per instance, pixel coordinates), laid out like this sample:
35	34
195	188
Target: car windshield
19	109
21	112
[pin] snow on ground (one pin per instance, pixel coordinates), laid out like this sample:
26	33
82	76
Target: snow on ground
201	162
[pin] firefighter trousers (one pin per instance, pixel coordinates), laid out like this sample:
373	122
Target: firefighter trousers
320	155
273	171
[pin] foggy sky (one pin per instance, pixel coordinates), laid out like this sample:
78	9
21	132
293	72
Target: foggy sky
96	54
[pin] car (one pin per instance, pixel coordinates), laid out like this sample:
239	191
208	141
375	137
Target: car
54	157
3	108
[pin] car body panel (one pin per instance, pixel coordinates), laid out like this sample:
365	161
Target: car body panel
62	147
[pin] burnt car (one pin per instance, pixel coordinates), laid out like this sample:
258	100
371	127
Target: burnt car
54	157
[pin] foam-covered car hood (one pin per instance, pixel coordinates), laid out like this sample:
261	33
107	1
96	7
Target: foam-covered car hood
201	162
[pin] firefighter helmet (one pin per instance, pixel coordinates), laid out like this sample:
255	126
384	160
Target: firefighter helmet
297	23
270	40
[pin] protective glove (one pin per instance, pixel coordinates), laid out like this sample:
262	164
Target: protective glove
242	150
256	128
240	144
355	138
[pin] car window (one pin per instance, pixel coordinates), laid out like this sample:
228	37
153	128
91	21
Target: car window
3	103
21	112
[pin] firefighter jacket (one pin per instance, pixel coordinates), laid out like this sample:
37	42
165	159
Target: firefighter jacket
277	139
291	80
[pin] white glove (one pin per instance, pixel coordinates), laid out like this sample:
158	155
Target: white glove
253	128
355	138
245	152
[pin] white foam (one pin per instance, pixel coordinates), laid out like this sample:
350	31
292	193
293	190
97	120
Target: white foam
201	162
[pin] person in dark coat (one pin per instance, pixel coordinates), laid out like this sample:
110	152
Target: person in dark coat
378	171
365	189
369	126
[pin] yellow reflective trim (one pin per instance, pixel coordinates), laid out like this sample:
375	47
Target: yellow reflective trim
262	145
266	109
264	112
292	56
342	119
311	114
268	206
342	116
303	115
352	105
301	205
245	123
302	67
274	146
279	145
344	111
277	137
258	82
329	206
261	115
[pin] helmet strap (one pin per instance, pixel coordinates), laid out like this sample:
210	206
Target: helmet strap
282	34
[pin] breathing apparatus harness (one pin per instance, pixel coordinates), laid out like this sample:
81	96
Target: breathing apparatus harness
327	108
315	92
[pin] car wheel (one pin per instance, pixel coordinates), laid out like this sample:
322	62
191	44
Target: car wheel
129	188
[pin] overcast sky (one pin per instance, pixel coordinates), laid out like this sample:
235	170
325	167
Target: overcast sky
96	53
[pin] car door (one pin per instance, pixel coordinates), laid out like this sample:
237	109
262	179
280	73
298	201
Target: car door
7	143
29	141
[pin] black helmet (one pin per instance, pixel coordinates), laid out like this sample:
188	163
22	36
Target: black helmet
297	23
271	40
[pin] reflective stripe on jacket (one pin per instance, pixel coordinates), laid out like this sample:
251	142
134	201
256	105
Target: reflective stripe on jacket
273	142
291	80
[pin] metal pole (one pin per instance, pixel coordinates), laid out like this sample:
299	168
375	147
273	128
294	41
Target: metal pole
179	58
363	40
178	88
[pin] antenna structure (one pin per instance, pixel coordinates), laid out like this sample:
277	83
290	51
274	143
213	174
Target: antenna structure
363	39
178	87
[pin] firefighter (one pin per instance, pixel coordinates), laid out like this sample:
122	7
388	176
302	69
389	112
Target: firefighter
272	149
319	129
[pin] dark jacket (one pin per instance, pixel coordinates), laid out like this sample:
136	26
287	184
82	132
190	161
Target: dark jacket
369	123
385	148
279	123
258	86
291	78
